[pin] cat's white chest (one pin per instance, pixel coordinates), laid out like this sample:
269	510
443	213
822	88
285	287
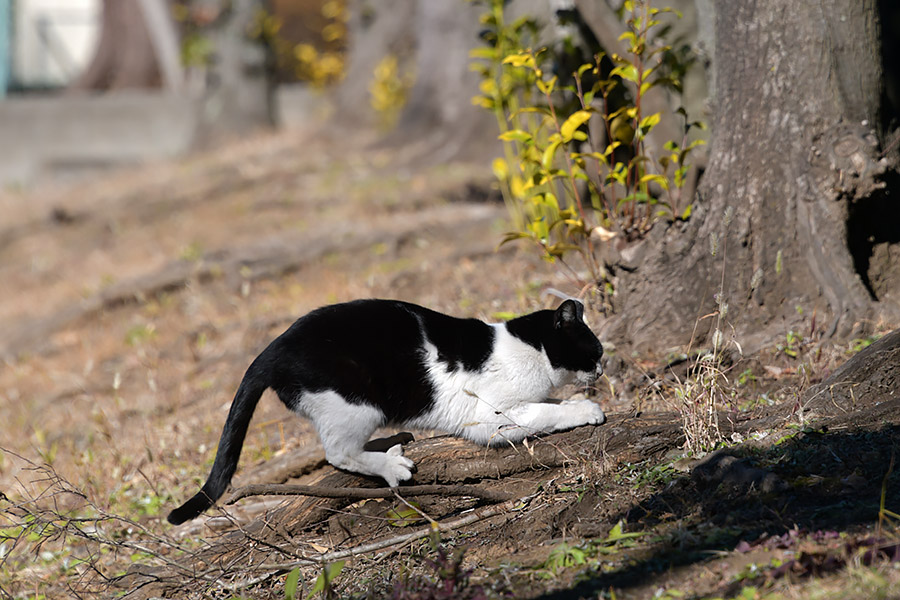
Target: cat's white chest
517	372
514	374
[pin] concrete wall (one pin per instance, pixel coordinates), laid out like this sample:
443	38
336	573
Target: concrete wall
67	135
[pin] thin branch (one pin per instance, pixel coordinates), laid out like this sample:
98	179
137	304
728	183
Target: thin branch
473	517
434	524
274	489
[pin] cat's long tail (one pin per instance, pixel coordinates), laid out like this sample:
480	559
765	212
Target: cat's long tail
245	401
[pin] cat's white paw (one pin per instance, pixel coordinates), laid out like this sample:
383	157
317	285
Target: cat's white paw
397	467
596	415
590	412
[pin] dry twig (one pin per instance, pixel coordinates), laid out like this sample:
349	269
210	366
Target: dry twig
467	519
365	493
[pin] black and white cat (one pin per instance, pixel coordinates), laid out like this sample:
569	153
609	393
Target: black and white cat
353	367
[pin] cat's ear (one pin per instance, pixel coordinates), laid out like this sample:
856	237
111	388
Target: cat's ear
569	312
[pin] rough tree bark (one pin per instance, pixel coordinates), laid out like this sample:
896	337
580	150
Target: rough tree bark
377	28
432	39
239	94
124	57
795	155
139	47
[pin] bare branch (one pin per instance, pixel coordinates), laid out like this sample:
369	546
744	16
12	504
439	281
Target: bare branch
476	515
364	493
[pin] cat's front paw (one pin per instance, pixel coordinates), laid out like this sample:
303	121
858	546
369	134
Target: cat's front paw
397	467
590	412
596	416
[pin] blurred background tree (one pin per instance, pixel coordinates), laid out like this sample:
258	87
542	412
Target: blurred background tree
802	104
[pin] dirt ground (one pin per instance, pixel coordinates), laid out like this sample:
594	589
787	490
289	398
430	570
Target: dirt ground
131	305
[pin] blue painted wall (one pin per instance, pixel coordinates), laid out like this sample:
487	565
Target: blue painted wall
5	53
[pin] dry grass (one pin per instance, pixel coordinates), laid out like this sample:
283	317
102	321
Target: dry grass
112	418
125	405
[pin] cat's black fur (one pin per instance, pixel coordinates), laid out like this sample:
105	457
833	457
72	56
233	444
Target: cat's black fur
355	366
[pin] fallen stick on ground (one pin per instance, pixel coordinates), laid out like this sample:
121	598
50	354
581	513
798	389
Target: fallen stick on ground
467	519
275	489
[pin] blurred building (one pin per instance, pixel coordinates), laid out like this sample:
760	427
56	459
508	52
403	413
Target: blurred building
88	85
45	44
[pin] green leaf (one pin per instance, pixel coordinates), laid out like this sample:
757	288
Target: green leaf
687	212
627	71
539	229
532	109
290	584
550	200
520	60
571	125
504	315
639	197
333	570
694	144
549	154
617	533
576	226
618	174
403	517
625	110
484	52
514	235
516	135
648	122
500	168
483	101
487	19
659	179
680	172
546	87
559	249
328	574
602	158
630	36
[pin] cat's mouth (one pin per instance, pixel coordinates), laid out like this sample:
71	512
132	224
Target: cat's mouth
589	377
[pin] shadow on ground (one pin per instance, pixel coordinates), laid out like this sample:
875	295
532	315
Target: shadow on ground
815	482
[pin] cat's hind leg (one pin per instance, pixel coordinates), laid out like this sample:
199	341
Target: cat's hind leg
344	429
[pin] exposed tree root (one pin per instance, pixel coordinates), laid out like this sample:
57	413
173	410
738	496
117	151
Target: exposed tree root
363	493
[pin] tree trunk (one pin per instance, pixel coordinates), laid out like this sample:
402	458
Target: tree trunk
240	78
433	39
440	112
125	55
795	154
377	28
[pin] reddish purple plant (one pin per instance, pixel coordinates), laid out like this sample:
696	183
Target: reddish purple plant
450	581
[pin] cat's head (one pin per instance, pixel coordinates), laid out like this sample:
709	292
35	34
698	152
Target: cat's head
574	347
